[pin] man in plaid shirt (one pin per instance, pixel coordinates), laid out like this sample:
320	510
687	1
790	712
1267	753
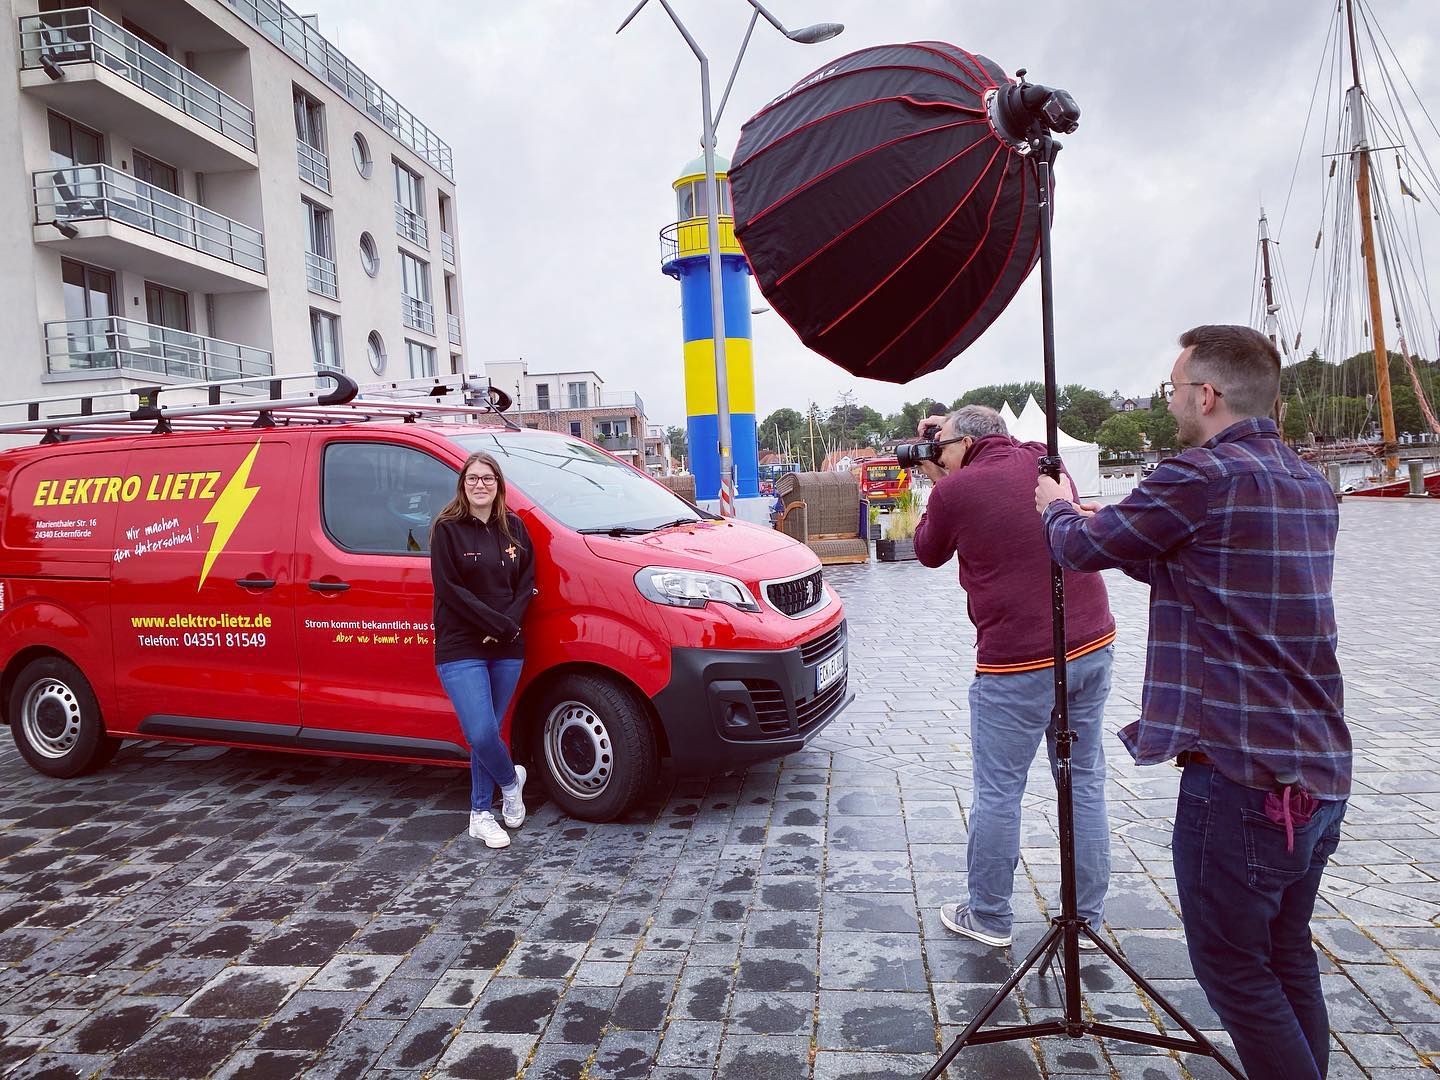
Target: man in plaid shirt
1236	538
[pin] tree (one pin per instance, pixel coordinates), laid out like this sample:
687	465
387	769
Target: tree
1119	434
1159	427
679	444
781	428
902	425
1083	410
1297	423
996	395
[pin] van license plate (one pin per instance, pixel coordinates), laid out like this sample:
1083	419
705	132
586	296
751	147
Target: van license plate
830	669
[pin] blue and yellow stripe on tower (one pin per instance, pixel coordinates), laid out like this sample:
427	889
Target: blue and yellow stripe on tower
687	259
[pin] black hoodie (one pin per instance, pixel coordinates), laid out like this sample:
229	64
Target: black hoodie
483	584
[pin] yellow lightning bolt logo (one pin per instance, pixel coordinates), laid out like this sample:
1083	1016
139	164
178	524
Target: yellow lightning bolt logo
229	508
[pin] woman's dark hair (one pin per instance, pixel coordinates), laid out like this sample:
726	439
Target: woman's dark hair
458	508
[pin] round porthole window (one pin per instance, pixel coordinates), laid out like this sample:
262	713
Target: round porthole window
369	254
360	149
375	348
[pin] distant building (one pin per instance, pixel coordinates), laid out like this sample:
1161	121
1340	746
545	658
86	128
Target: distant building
658	461
576	403
1124	404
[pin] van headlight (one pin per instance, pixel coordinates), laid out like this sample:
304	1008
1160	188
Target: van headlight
692	588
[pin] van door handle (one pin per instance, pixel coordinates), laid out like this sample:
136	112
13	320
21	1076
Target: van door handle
329	586
255	583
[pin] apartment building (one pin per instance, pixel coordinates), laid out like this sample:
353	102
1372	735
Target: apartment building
658	461
577	403
205	189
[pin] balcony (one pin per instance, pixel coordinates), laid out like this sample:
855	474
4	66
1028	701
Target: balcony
314	165
111	218
691	239
306	44
113	80
417	314
411	226
454	321
616	444
447	248
114	345
320	275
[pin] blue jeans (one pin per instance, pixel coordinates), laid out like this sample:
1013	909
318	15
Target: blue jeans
481	690
1246	903
1009	715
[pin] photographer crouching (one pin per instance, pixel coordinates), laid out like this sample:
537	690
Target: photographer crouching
982	511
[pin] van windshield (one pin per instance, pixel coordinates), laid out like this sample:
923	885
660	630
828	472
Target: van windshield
579	486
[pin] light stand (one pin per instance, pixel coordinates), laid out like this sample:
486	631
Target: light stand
1034	111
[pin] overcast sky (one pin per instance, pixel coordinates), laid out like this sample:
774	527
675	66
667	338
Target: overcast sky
567	138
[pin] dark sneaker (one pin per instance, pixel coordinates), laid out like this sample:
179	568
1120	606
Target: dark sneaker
957	917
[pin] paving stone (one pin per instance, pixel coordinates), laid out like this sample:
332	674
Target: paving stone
237	993
866	1020
182	1048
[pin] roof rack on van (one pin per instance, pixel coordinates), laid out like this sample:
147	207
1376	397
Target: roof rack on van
324	396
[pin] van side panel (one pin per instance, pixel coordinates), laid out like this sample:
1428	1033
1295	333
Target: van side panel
194	643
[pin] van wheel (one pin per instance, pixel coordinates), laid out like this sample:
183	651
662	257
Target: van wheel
592	742
55	720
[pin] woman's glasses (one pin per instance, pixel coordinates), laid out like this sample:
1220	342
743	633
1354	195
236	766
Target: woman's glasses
481	481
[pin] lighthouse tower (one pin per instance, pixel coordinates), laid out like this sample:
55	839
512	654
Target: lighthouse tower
686	257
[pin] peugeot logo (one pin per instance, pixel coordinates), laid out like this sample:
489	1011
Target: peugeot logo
809	593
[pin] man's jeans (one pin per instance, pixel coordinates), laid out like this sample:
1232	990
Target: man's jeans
1246	902
1009	714
481	690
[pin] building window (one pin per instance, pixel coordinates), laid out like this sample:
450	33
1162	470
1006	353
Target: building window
167	307
415	307
157	173
410	206
360	151
612	429
421	359
325	339
369	254
542	397
310	140
375	351
89	291
319	250
577	395
575	428
73	144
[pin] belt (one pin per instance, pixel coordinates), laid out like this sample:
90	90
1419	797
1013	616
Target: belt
1192	757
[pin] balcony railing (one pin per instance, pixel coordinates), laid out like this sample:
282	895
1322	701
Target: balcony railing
305	43
447	248
417	314
81	35
320	275
615	443
454	321
111	343
87	192
686	239
411	225
314	165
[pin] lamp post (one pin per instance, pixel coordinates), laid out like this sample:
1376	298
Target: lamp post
806	35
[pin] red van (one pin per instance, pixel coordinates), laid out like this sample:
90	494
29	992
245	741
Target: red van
882	481
269	586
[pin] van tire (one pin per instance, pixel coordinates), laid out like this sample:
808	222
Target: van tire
592	744
55	720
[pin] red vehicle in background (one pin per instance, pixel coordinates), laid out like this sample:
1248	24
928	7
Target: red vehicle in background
882	481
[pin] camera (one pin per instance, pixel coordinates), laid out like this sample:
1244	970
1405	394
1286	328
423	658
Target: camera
911	454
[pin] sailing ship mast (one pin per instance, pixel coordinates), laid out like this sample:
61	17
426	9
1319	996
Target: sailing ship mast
1361	149
1272	321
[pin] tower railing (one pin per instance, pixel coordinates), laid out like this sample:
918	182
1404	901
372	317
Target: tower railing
688	239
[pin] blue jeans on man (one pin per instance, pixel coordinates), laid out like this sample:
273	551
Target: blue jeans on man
481	690
1009	715
1246	896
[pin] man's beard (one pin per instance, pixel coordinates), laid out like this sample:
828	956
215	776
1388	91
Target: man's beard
1187	429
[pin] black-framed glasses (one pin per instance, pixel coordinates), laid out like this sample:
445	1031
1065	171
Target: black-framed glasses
1167	388
481	481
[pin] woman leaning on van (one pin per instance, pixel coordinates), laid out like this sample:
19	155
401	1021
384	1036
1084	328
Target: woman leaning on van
483	567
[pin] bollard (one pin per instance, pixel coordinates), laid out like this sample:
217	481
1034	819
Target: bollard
1417	480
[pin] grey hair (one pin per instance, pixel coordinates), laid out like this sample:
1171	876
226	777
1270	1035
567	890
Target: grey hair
976	421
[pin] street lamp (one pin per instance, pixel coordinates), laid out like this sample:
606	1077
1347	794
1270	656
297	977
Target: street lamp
806	35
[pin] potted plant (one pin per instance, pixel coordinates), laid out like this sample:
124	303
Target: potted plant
899	542
876	531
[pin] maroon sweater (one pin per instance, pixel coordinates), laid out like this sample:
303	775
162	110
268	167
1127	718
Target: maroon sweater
984	514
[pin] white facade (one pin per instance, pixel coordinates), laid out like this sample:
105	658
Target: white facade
182	200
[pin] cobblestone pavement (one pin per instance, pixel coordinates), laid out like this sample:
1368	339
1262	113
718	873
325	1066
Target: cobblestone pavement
197	912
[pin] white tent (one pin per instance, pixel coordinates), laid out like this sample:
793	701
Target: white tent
1082	459
1008	415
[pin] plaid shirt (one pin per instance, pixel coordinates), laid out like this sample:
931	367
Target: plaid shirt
1237	542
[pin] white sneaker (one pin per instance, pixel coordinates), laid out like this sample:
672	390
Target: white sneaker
957	917
483	826
512	805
